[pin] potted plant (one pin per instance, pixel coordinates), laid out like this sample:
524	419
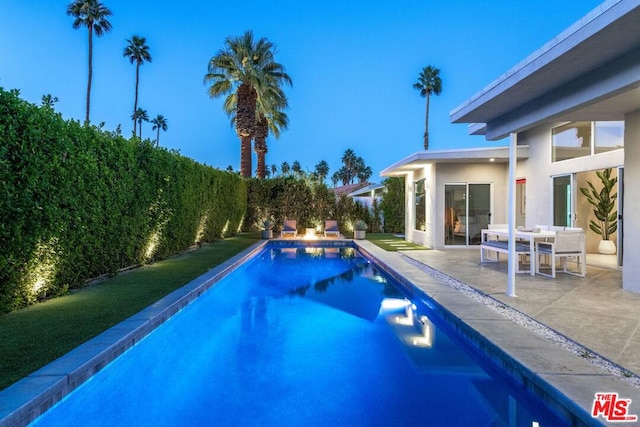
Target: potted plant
267	232
604	204
359	229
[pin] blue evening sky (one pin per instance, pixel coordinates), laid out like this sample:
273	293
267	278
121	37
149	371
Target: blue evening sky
353	64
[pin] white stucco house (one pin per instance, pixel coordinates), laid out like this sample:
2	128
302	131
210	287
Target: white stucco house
570	109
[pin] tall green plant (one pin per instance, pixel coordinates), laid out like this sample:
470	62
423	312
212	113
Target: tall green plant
392	205
429	83
79	202
603	203
93	15
138	52
309	202
244	71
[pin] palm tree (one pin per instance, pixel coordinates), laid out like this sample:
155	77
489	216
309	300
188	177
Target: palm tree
274	170
322	170
140	116
93	15
270	117
244	71
428	83
137	51
285	168
349	161
364	174
335	178
296	168
159	124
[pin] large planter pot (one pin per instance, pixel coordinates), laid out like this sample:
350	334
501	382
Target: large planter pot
267	234
607	247
359	234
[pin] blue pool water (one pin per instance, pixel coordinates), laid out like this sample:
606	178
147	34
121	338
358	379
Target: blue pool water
300	336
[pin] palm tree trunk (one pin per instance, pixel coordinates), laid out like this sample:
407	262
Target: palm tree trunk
140	127
426	126
261	151
245	122
261	132
158	138
262	171
135	102
245	156
86	119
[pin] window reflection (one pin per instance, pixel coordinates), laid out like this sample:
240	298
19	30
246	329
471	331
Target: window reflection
609	136
420	204
579	139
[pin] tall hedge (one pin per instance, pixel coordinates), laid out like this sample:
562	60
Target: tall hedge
308	202
77	202
393	205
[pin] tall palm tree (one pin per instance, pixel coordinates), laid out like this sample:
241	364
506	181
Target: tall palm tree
93	15
137	51
364	174
285	168
296	168
140	116
159	124
244	71
322	170
428	83
335	178
270	117
349	161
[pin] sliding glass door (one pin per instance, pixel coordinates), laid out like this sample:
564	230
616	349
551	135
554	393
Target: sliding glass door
563	200
467	212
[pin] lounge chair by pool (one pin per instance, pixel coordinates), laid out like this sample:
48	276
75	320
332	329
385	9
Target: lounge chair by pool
289	228
331	228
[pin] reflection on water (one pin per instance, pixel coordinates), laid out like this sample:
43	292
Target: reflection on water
337	277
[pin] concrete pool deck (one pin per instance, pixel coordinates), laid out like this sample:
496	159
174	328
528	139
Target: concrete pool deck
592	311
597	314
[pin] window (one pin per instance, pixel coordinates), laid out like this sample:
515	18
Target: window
420	205
571	140
609	136
579	139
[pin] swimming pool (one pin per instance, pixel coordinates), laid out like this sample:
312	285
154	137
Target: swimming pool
301	335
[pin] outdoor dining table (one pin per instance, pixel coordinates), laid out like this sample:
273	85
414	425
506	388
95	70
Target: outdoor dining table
523	236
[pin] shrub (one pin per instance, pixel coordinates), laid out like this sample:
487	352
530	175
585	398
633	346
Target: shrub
309	203
393	205
77	202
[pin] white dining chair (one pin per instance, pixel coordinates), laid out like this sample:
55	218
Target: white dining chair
566	244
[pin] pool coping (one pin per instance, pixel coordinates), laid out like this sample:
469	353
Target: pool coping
567	382
26	399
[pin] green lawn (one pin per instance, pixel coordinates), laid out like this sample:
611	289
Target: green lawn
391	243
32	337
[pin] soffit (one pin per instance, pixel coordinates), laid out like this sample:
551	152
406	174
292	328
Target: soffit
608	32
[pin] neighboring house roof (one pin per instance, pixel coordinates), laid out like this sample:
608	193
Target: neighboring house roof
365	191
349	188
591	71
465	155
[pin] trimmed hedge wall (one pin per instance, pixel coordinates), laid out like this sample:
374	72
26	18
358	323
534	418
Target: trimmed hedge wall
309	203
393	205
77	202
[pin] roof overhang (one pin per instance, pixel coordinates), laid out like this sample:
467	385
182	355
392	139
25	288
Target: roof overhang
421	159
591	71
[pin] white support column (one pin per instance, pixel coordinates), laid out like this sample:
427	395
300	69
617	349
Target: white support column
511	269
